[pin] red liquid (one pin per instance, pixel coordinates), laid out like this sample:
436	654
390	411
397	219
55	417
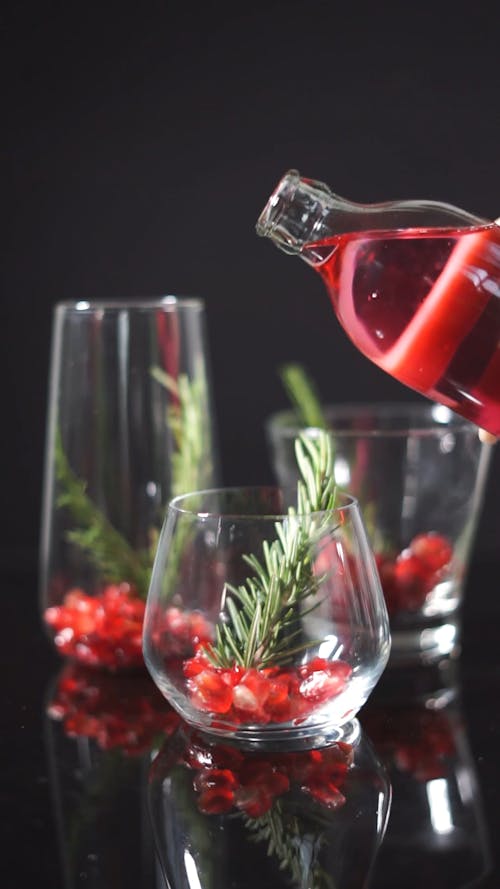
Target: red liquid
424	305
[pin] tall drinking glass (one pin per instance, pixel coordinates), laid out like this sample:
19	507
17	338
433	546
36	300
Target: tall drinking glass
130	424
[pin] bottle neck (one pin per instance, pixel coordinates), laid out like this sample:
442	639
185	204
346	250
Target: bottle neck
302	214
299	212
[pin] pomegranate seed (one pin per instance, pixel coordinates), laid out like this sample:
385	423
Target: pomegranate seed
211	692
433	550
324	680
411	577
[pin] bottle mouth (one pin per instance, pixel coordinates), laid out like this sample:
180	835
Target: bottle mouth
277	210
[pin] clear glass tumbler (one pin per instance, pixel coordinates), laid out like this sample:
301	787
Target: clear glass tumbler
418	471
130	424
263	624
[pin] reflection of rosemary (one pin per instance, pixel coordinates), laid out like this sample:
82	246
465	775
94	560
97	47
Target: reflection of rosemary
105	547
261	614
295	849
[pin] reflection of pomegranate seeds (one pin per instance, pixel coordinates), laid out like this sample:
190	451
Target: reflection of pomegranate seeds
251	783
328	794
215	800
422	742
124	712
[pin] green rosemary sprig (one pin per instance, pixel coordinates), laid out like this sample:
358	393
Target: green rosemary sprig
261	621
105	547
188	421
303	394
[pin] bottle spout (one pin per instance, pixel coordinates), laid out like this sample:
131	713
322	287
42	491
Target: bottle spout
294	214
279	219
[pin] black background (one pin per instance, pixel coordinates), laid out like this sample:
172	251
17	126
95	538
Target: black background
139	144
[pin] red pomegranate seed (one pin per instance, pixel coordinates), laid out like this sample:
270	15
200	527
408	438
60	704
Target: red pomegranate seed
324	680
433	550
211	692
411	577
251	693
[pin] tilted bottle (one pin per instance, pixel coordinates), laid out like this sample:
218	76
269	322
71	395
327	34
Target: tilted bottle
415	285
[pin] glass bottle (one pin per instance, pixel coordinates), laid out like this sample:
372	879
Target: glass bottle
415	285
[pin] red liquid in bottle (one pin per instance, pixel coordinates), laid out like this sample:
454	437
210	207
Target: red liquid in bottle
424	305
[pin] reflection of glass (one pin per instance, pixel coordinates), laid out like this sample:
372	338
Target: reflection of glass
100	731
288	626
129	426
419	473
224	818
437	830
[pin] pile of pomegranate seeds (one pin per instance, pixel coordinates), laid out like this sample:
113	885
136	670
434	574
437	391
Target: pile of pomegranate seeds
250	695
105	630
409	577
129	713
226	778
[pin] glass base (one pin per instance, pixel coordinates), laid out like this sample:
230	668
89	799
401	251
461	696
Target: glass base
278	740
425	643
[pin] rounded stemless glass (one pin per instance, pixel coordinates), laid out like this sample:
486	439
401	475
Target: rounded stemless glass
419	473
130	425
244	647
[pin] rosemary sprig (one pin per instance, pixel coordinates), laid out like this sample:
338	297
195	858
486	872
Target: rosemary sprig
188	421
261	623
303	394
295	849
105	547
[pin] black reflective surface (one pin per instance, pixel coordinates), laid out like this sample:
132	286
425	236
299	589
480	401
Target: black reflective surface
102	788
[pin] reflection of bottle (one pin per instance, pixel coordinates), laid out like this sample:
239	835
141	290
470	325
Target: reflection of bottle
100	731
437	831
226	817
415	284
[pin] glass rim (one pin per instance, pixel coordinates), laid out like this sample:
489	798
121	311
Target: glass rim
424	419
343	502
168	302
